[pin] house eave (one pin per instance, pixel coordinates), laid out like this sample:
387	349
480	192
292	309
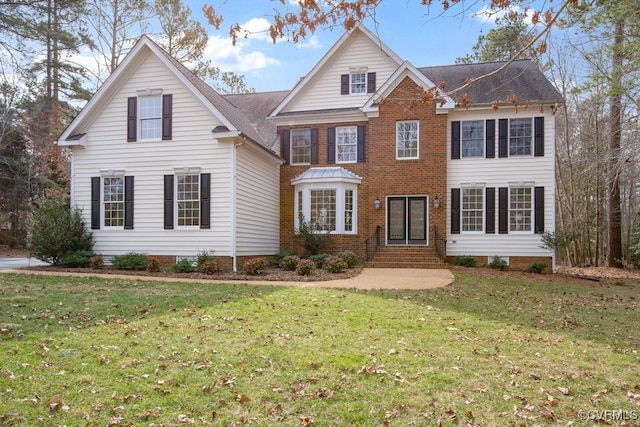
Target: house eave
320	116
73	142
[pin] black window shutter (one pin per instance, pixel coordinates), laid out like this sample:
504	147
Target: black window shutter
314	146
362	143
371	82
95	203
168	202
455	140
538	136
490	214
503	210
128	203
205	200
285	145
132	119
331	145
167	107
503	138
538	201
344	84
455	211
490	139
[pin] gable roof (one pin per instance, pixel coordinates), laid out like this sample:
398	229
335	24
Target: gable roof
301	83
522	78
232	117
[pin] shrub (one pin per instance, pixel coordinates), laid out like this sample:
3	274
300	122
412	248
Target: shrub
349	257
76	259
130	261
290	262
537	267
319	259
278	257
335	264
206	263
253	266
314	238
153	264
305	267
96	262
183	266
498	263
56	230
465	261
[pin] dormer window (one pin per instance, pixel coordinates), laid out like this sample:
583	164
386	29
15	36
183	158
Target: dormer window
149	116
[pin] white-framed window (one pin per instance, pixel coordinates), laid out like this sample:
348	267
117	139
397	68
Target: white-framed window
407	141
300	146
150	117
328	206
520	209
358	83
188	200
472	138
520	137
347	144
113	201
472	210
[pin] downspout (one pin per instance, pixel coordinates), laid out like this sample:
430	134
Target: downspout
234	199
553	187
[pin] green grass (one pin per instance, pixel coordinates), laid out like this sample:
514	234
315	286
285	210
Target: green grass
488	351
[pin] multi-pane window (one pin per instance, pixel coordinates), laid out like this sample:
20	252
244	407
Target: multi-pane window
346	144
188	200
348	210
323	209
359	83
520	209
472	138
150	116
407	140
300	146
472	209
113	201
520	137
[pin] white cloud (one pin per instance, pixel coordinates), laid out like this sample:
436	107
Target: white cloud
257	28
236	58
486	15
310	43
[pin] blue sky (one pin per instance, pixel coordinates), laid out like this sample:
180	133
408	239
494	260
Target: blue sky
423	35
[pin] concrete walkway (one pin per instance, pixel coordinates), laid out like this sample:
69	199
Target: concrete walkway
7	263
370	278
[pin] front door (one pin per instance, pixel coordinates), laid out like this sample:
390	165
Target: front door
407	220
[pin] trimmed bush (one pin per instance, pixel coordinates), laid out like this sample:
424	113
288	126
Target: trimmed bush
537	267
305	267
206	263
498	263
290	262
253	266
465	261
350	258
56	231
96	262
314	238
335	264
278	257
130	261
319	259
77	259
183	266
153	264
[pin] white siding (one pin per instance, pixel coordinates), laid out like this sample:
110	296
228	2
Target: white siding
323	91
499	172
258	202
192	145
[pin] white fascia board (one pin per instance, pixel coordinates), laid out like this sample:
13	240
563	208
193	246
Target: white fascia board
327	57
82	142
319	118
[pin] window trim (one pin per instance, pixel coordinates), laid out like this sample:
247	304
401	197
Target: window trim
482	209
463	140
103	210
362	83
155	94
292	133
355	144
525	186
304	190
531	138
417	122
176	209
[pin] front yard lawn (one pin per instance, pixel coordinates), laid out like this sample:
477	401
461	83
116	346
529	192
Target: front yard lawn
486	350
